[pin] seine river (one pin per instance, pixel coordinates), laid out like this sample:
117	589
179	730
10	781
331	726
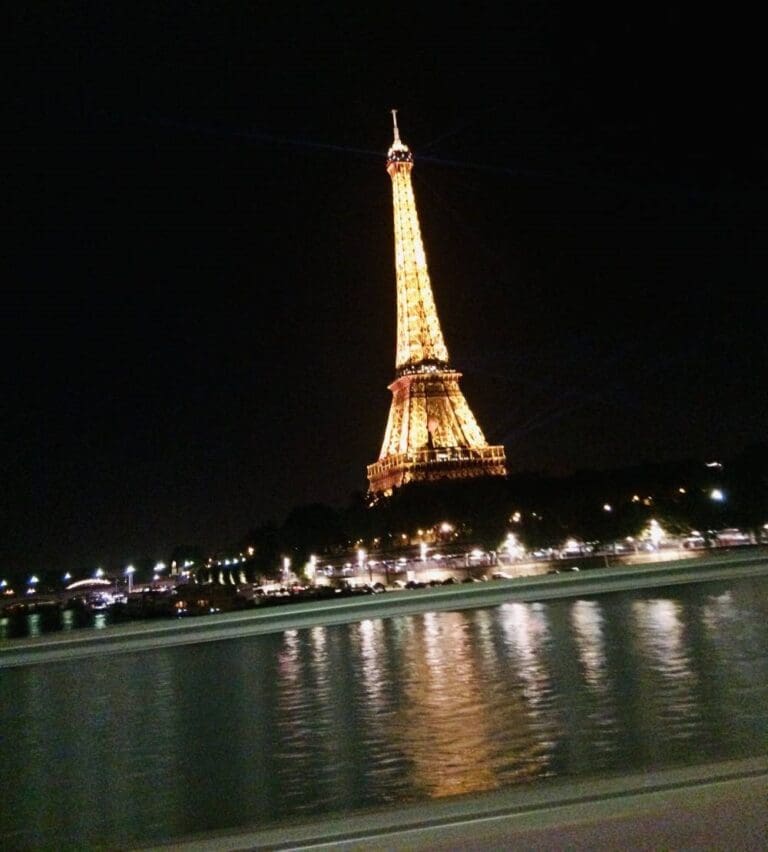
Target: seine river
139	748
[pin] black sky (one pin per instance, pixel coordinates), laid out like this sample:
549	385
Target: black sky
198	330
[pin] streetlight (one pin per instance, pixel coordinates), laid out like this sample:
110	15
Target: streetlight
99	573
655	533
513	547
311	568
33	581
361	564
130	571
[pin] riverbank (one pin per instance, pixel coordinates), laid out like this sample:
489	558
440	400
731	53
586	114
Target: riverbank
145	636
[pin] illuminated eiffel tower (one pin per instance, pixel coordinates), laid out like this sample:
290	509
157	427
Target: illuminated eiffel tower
431	432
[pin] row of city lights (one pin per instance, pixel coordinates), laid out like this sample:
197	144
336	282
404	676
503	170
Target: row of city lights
129	571
98	574
716	494
654	533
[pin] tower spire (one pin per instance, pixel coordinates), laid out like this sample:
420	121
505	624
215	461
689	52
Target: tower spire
419	336
431	432
394	122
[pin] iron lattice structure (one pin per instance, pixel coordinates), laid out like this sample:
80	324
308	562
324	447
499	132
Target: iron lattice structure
431	431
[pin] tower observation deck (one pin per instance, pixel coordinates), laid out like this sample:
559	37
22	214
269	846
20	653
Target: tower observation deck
431	432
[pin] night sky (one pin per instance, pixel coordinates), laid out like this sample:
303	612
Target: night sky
199	327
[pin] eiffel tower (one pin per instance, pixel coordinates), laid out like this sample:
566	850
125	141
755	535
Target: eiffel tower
431	432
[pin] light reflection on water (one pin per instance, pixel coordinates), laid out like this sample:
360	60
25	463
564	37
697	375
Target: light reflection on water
49	620
671	679
140	748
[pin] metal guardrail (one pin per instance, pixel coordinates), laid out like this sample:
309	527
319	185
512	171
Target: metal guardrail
679	807
144	636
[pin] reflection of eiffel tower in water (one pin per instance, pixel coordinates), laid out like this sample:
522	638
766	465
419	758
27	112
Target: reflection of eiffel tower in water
431	432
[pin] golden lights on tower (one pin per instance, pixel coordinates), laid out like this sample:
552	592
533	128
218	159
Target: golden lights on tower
431	432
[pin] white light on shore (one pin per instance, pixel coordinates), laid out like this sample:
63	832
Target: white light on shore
655	533
513	547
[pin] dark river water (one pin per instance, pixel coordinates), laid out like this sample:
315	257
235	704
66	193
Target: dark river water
146	747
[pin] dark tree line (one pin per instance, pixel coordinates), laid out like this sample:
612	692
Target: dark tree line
543	511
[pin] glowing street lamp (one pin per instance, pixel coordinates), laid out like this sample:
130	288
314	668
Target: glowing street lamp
311	568
361	563
513	546
130	571
717	495
99	573
655	533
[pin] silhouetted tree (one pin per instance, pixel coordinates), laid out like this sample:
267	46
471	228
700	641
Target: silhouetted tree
312	528
748	488
267	545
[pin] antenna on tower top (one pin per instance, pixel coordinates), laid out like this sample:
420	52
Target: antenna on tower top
394	122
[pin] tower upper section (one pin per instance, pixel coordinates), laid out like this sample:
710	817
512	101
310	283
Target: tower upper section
419	337
431	431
